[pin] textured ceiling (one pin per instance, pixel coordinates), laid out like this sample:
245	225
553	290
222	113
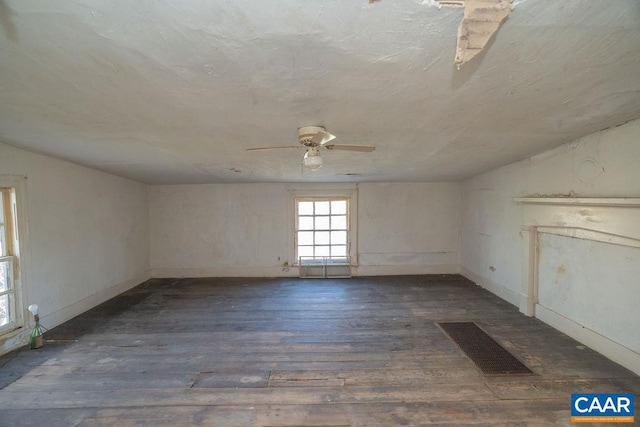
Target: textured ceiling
176	91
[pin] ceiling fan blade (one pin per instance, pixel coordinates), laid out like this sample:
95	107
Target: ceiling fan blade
360	148
273	148
322	137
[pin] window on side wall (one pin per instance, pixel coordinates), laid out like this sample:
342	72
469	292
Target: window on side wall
9	318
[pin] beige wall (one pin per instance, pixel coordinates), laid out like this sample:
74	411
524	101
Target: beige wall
408	228
86	236
247	229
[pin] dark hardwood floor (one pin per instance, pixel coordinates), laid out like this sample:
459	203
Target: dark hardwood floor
285	352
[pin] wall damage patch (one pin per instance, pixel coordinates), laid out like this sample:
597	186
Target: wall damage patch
482	18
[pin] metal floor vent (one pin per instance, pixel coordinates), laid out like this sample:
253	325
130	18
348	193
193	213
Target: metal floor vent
489	356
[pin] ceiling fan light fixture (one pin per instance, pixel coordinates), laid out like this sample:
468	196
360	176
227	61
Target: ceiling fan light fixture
312	159
314	139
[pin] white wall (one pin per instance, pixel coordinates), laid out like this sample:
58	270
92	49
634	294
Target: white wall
86	234
247	229
408	228
603	164
593	284
219	230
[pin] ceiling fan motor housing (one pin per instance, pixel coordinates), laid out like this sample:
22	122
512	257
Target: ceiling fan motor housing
306	134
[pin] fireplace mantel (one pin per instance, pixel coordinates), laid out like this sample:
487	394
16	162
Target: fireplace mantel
613	221
608	220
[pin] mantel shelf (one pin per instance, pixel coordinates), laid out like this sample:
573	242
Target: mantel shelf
581	201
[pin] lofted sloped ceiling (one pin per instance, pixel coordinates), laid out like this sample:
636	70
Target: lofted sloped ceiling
170	92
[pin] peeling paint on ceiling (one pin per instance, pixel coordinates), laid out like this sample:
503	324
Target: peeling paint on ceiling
175	92
482	18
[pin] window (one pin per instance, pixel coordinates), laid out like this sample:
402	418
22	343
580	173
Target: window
322	229
8	247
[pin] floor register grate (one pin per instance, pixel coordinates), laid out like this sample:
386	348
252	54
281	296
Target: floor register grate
489	356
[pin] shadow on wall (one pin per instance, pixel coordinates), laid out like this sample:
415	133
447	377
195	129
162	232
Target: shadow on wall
6	22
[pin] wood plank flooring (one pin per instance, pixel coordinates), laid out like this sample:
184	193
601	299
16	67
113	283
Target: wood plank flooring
292	352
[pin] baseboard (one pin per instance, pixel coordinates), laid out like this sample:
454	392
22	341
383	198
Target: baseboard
603	345
69	312
277	271
362	270
403	270
493	287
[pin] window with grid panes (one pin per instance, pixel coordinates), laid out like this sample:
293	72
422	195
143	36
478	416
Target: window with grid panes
7	259
322	229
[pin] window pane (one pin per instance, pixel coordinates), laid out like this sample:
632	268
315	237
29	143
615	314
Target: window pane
322	251
4	276
338	237
3	247
322	237
322	223
322	229
305	251
5	316
339	222
305	237
339	207
305	223
305	208
6	281
338	251
322	208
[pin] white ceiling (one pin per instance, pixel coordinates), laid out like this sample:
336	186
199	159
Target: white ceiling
175	91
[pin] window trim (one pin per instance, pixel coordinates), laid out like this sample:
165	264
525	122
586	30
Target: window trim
337	191
321	199
18	185
12	292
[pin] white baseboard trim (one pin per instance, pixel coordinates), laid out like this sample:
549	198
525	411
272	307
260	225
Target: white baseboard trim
60	316
161	273
362	270
404	270
603	345
493	287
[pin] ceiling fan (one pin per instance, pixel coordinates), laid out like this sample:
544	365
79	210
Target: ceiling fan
313	138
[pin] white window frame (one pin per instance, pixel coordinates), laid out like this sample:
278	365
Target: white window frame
20	321
322	199
326	192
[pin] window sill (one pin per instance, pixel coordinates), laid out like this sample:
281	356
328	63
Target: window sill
10	333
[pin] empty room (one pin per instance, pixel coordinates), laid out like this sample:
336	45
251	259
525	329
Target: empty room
319	213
